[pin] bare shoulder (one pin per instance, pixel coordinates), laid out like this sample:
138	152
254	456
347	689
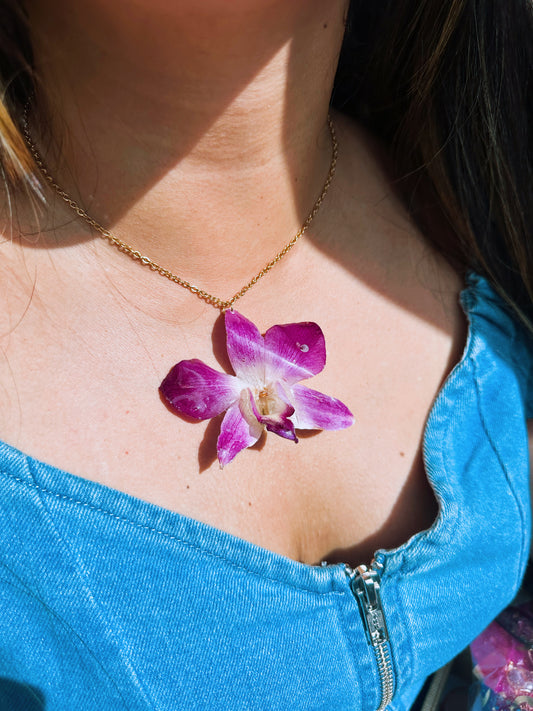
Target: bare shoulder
17	280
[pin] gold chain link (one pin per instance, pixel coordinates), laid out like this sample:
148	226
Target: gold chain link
146	261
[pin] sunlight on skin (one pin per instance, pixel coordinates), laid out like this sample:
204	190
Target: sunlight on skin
160	109
364	274
264	392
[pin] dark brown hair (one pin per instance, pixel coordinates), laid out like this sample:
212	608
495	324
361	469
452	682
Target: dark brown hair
15	86
446	84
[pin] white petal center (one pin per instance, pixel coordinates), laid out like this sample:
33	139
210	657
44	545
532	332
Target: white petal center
268	401
262	401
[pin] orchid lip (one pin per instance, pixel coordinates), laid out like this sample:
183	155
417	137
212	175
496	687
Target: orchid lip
265	392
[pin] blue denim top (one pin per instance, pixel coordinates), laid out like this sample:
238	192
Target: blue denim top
111	603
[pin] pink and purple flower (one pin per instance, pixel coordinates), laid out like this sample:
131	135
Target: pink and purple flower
265	392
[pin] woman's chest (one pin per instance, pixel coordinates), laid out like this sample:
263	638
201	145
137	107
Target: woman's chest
330	491
165	594
83	395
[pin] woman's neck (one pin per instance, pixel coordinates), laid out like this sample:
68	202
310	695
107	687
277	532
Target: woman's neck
196	131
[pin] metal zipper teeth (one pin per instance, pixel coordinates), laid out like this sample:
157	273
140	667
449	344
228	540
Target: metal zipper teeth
386	674
365	584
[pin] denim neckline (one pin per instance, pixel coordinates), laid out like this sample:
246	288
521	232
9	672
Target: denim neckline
119	506
437	425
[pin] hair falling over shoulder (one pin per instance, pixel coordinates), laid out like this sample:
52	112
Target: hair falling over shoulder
16	80
446	85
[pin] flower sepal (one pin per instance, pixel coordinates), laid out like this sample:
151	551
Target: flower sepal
265	391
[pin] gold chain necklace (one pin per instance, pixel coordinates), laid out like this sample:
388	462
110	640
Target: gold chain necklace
146	261
264	393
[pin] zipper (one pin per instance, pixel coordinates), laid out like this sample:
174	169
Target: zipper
365	585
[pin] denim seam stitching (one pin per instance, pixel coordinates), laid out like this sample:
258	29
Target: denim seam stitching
76	639
83	577
504	470
405	679
169	536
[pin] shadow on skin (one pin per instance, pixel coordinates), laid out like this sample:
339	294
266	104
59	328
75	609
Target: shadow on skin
360	252
15	696
398	528
207	453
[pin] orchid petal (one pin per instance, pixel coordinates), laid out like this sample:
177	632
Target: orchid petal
196	390
235	435
294	351
316	411
277	421
245	348
264	392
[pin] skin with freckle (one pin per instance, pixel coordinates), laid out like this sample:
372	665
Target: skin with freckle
206	149
192	179
226	475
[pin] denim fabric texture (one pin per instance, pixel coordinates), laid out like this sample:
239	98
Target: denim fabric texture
110	603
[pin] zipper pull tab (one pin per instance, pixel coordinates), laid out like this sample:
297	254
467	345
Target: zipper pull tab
365	585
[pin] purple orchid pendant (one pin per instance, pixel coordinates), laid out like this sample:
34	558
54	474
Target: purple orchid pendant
265	392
